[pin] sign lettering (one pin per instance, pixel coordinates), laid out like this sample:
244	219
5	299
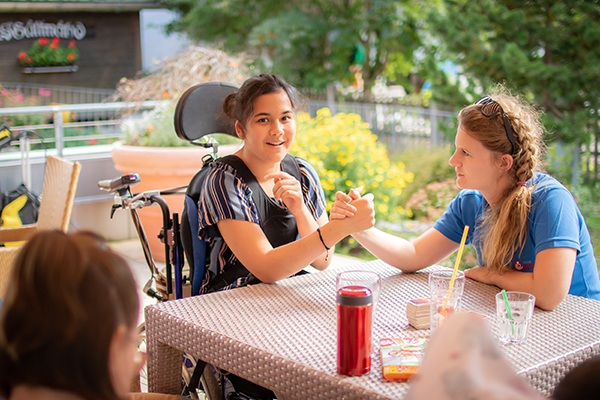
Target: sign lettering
18	30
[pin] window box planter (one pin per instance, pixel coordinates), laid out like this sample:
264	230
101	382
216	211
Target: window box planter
46	70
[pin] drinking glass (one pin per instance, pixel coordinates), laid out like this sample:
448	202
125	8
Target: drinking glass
444	301
514	320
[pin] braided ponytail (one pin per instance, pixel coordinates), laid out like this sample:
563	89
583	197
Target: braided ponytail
505	228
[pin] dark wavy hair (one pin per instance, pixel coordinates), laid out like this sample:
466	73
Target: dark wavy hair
68	293
239	105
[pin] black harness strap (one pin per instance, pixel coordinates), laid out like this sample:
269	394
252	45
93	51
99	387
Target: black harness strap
278	223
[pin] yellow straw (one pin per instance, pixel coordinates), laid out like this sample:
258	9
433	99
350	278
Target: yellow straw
458	257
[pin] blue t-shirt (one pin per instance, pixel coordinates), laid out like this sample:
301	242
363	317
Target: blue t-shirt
554	221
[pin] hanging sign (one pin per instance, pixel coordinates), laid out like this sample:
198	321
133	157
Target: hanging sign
17	30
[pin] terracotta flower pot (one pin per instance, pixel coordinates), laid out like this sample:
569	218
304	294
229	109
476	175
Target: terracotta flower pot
161	168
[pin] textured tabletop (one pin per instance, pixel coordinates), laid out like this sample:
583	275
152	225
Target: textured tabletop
283	335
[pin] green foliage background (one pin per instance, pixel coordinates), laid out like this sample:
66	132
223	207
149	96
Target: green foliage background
347	155
154	128
547	50
312	43
14	98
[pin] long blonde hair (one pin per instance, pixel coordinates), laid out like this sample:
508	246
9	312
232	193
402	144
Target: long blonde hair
504	229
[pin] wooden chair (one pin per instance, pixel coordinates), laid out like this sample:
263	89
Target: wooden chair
58	194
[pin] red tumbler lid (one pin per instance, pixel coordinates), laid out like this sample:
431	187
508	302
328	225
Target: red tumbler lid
354	296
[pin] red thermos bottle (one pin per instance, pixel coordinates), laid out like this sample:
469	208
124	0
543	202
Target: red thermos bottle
354	308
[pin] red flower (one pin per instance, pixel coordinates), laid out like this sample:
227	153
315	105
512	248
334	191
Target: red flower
71	44
93	141
70	57
29	60
43	41
22	55
55	40
54	46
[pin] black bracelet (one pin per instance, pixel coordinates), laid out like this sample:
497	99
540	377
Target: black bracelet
324	245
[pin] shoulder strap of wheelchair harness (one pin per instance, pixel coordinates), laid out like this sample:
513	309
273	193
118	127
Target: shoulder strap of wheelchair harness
290	165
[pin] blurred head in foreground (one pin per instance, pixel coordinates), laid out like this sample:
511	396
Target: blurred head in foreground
68	322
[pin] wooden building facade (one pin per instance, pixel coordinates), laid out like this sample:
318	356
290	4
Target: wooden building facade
105	36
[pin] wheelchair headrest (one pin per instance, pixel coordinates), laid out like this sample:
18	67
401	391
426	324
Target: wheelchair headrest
199	111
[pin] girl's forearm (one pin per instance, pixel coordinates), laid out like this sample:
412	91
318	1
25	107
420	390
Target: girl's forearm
391	249
286	260
306	225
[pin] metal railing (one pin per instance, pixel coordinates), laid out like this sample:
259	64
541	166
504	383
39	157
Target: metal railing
84	128
397	126
54	94
104	128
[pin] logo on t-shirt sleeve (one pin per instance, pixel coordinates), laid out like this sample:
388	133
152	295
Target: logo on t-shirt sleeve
519	265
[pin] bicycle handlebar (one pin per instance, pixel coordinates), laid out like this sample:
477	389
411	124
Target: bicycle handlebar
125	199
119	185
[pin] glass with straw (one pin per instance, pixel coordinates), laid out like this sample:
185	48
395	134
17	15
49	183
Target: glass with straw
514	311
446	289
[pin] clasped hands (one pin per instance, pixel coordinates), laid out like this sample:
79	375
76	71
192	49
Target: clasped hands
360	209
352	205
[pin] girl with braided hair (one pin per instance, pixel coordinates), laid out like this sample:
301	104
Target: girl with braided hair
525	225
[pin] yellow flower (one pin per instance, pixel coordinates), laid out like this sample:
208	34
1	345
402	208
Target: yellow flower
346	154
382	208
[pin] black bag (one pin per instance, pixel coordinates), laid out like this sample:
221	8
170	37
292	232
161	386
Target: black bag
19	207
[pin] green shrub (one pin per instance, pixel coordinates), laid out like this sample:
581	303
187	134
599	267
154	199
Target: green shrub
429	165
430	202
588	200
154	129
49	53
559	164
14	98
347	155
434	185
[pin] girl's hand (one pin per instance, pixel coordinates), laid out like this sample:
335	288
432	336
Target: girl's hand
342	208
364	217
288	190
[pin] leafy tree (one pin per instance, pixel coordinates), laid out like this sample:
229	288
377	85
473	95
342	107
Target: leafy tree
549	50
311	42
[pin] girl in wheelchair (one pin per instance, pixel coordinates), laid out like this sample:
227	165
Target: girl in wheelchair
262	211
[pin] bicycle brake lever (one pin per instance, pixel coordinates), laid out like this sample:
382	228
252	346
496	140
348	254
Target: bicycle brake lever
113	209
150	291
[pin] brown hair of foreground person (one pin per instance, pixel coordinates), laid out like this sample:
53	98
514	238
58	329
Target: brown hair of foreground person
68	300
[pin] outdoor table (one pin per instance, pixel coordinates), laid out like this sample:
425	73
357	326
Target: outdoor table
283	336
